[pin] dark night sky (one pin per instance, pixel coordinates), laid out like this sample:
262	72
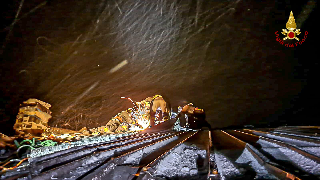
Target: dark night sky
221	55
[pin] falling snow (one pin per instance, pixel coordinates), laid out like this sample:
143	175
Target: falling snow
97	51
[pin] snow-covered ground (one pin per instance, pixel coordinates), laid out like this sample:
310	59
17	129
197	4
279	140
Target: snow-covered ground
226	168
181	161
304	163
312	150
85	141
285	154
297	135
135	157
247	158
187	161
293	141
245	164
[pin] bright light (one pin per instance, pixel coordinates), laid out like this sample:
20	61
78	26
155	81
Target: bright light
135	128
144	123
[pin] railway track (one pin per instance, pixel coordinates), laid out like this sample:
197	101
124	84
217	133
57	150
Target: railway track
194	154
290	159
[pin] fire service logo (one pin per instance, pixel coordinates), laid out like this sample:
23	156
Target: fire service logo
291	33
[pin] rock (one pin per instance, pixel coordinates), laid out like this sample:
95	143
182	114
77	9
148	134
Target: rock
185	169
193	171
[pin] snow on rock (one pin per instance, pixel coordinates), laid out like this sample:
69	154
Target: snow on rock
286	154
193	172
247	158
185	169
181	161
292	141
306	164
276	153
225	167
135	157
212	158
84	141
272	149
312	150
297	135
267	144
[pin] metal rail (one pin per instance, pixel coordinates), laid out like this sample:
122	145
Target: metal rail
283	144
102	157
72	155
93	172
105	160
315	141
150	160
